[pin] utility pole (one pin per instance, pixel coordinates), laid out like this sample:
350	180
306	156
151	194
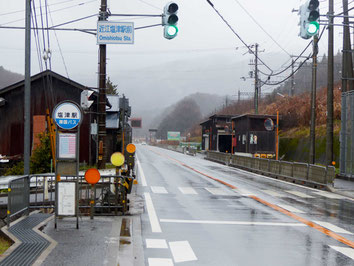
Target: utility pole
239	96
256	80
292	89
329	127
313	102
27	92
102	96
345	75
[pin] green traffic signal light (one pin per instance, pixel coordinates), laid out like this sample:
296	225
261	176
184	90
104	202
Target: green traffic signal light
171	31
312	28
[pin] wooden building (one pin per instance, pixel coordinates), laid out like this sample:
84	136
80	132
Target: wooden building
255	134
217	133
47	90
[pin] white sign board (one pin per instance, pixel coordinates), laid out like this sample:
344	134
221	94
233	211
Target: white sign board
110	32
67	146
67	115
66	198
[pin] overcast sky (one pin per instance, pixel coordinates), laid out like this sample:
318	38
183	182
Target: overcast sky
206	56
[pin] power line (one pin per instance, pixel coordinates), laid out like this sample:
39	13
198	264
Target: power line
20	11
293	73
149	4
237	35
260	26
56	10
61	52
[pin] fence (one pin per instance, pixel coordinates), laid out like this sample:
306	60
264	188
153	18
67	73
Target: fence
18	197
347	135
38	192
306	173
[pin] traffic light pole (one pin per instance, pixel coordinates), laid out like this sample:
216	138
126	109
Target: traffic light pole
312	156
101	163
329	127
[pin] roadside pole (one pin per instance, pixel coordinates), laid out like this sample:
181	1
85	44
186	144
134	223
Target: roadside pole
312	156
102	96
329	127
27	92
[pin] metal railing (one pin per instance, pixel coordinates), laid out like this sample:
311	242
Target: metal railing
38	192
18	197
314	174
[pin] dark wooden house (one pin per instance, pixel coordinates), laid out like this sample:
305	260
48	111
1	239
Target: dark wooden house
255	134
217	133
47	90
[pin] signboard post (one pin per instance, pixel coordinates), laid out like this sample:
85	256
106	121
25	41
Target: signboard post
67	116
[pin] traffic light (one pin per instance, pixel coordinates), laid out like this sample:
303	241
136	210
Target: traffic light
169	20
309	15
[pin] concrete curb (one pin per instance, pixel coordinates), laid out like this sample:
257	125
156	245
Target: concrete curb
52	242
16	241
342	193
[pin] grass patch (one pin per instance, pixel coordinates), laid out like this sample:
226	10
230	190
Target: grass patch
5	243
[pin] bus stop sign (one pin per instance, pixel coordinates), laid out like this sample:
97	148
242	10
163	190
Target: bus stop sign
67	115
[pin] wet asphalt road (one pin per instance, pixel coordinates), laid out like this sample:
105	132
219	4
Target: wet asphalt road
202	213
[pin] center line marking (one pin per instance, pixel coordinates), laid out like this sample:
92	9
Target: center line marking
154	222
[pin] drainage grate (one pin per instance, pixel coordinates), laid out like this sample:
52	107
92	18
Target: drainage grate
32	243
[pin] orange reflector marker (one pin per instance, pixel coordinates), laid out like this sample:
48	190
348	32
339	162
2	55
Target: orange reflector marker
92	176
117	159
131	148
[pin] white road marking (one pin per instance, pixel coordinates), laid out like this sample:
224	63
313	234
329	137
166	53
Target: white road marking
333	227
290	208
182	251
159	190
228	222
188	190
142	175
160	262
349	252
156	243
330	195
299	194
272	193
217	191
243	192
154	222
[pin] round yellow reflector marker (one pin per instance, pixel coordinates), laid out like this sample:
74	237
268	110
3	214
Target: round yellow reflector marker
131	148
117	159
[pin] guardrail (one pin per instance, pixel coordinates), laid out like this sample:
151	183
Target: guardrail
18	197
310	174
184	149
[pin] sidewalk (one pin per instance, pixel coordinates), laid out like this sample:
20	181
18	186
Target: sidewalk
105	240
343	187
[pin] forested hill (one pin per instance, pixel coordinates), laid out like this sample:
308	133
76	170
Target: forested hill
7	77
